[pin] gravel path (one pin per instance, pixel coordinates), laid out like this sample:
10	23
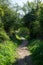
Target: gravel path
24	54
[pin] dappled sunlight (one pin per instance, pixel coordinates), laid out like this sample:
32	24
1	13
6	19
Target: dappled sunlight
21	32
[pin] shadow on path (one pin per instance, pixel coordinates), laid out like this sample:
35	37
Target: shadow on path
25	61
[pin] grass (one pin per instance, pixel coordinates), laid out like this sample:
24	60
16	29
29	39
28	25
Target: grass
36	47
8	52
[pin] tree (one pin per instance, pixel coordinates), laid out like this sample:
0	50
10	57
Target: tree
31	20
7	2
41	20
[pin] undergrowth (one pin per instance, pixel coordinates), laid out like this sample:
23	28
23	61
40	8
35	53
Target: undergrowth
36	47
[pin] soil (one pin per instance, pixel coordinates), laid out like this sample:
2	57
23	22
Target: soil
24	57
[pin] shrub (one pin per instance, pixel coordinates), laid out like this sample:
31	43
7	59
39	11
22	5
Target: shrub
3	35
7	53
23	32
36	47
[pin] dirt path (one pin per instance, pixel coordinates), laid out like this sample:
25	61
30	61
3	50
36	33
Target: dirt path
24	55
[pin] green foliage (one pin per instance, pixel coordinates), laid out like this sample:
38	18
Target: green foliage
9	17
7	49
1	24
29	18
23	32
7	53
36	47
34	20
35	30
3	35
41	20
14	28
7	2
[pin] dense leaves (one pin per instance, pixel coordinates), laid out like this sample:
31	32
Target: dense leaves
14	26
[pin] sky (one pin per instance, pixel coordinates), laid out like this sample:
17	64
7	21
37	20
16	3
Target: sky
20	2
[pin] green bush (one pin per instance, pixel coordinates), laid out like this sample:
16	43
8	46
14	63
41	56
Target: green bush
23	32
7	53
36	47
3	35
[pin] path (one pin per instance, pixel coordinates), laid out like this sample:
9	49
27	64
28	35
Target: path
24	55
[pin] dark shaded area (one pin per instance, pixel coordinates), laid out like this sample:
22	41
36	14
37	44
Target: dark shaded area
37	51
25	61
1	39
29	18
14	39
41	22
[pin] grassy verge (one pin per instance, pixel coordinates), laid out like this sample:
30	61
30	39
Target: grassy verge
8	52
36	47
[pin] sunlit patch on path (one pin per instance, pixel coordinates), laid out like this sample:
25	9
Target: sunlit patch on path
24	54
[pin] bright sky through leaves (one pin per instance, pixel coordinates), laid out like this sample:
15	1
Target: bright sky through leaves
20	2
